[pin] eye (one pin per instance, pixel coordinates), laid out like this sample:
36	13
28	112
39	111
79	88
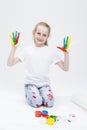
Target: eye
38	33
44	35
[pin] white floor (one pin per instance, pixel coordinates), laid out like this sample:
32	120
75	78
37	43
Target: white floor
15	114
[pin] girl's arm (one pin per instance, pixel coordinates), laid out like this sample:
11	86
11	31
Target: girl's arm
12	60
64	65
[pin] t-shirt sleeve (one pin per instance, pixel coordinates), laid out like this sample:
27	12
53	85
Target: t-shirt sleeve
56	56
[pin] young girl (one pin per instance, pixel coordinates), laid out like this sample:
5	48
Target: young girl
37	59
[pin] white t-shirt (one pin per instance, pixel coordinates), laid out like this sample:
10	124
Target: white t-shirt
37	61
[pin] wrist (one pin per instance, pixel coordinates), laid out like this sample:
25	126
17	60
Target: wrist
66	53
14	47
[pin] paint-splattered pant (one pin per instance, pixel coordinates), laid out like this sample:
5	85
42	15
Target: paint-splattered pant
37	96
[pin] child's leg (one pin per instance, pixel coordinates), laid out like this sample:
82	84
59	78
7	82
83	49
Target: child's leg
47	96
32	95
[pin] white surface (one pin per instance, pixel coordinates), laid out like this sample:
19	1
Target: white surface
80	99
15	114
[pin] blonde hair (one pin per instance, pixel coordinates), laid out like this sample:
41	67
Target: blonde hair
45	25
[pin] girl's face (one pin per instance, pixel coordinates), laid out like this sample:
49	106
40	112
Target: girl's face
41	35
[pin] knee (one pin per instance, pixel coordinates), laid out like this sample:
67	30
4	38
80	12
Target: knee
49	101
34	102
37	102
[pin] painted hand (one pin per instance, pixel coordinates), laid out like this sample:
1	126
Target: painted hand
14	38
66	44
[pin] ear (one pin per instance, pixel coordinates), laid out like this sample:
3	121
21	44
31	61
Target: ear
33	32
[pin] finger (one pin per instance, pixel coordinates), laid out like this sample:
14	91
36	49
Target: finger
13	37
12	41
17	37
68	43
64	42
62	48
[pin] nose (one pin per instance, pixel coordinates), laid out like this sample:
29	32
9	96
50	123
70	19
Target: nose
41	37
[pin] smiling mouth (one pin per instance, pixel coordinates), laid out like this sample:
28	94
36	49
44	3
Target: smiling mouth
39	40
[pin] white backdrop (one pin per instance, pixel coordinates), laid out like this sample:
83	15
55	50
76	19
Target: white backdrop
66	17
